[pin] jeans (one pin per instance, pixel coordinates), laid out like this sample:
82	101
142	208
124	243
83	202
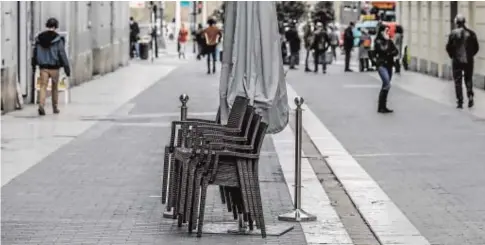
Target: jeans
211	52
385	73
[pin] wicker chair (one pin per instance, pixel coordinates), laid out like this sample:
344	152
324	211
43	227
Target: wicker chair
235	168
202	169
187	160
234	121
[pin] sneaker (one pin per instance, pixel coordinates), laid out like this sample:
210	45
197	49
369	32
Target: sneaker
471	103
459	106
41	111
56	110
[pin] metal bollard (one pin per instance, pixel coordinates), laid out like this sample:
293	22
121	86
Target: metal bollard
184	98
298	214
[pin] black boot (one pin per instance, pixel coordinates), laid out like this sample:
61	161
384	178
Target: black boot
382	104
470	101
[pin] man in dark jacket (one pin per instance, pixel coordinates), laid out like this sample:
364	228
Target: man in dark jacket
134	35
462	46
50	55
321	42
348	45
295	42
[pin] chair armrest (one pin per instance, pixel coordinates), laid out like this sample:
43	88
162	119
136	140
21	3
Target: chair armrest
201	120
230	146
218	127
225	138
227	153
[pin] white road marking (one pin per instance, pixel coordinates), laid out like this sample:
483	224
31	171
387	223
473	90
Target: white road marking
328	229
385	219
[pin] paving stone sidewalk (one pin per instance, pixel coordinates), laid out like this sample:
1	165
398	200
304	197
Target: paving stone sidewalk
103	187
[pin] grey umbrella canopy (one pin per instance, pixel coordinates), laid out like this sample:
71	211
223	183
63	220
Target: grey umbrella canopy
252	65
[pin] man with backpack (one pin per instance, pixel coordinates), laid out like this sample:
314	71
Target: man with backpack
49	54
320	46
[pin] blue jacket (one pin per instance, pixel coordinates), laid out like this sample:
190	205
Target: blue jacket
49	52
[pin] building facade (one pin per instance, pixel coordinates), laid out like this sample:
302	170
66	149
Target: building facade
427	25
97	43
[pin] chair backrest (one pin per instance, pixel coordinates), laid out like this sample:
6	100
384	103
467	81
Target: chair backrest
218	116
248	117
261	133
253	130
236	115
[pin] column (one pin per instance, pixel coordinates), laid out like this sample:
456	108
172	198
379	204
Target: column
178	10
204	12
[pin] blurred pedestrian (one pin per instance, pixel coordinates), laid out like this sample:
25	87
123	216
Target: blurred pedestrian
183	37
398	40
321	43
334	41
462	46
385	51
50	55
348	45
200	40
295	43
134	37
364	47
212	36
308	42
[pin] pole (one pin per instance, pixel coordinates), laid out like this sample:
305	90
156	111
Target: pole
177	18
204	12
184	98
298	127
298	214
194	22
162	29
153	29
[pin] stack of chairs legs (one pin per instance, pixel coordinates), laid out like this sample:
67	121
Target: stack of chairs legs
179	134
223	155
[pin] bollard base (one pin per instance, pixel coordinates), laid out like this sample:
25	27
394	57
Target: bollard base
297	215
168	214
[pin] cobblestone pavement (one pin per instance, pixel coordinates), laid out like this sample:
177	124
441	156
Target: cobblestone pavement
428	157
103	187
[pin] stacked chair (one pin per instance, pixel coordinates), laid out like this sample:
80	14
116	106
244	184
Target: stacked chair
208	153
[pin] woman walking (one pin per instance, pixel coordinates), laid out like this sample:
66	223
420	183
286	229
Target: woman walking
385	51
182	40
